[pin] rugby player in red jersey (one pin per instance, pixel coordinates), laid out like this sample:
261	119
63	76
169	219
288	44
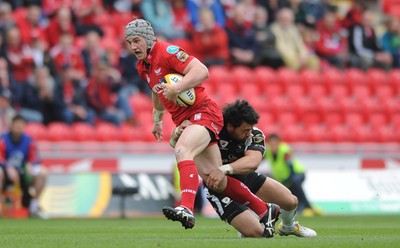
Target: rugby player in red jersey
197	145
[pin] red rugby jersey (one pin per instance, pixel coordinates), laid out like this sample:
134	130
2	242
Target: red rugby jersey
164	59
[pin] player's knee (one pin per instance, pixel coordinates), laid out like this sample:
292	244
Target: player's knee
293	202
13	174
182	153
255	232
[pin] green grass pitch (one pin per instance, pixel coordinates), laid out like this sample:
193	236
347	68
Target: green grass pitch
333	231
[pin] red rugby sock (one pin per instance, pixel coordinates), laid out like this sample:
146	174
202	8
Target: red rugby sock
239	193
189	182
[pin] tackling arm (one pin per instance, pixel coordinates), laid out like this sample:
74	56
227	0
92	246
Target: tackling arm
244	165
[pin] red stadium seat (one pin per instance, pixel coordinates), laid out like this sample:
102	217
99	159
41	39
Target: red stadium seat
371	105
319	133
107	132
326	105
295	91
353	120
394	79
281	104
293	133
250	91
128	133
317	91
266	119
355	77
242	76
394	120
303	105
226	89
364	134
339	91
342	134
287	76
349	105
386	134
333	77
273	90
219	75
391	106
271	129
286	118
58	131
311	119
264	76
361	92
377	77
141	102
333	119
83	132
384	91
310	78
377	120
37	131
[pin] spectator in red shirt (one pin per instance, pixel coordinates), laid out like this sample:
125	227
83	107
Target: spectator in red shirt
332	45
31	24
74	95
92	52
86	13
41	54
61	23
182	18
102	93
210	41
65	54
354	15
20	62
19	56
51	7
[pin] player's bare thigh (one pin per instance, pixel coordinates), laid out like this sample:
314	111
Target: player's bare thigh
207	161
247	224
193	140
273	191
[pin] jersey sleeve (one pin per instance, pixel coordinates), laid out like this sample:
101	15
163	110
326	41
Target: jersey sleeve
33	155
2	152
258	141
177	61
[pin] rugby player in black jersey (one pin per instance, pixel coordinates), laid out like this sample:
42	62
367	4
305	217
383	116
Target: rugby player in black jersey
242	147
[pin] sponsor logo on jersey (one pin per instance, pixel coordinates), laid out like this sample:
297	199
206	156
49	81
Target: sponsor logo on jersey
172	49
197	117
223	143
215	127
157	71
182	56
258	138
232	157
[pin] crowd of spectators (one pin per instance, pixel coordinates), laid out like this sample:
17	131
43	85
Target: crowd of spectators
67	61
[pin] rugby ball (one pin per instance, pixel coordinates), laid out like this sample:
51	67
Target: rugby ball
186	98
